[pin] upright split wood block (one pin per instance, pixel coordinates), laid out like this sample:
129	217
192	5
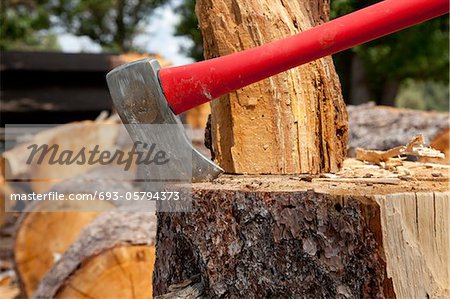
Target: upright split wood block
294	122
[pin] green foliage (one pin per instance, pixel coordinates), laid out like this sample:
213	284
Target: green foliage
23	25
111	23
423	95
420	52
188	26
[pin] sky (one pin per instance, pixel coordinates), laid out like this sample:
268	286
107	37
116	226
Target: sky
157	37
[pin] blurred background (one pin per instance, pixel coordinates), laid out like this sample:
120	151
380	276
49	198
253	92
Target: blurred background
55	53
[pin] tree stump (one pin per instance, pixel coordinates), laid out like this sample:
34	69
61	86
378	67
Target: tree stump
294	122
112	258
364	233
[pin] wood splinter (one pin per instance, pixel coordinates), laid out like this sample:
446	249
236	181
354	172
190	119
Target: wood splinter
415	147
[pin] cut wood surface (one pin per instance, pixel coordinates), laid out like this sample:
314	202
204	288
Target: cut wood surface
382	127
347	235
294	122
416	236
112	258
42	237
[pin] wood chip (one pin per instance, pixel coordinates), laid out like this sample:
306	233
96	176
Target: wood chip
388	181
415	147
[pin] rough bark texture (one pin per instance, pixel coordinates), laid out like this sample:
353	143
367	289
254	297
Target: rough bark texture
382	128
312	238
294	122
249	245
113	257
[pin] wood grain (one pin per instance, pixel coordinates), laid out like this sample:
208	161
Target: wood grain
294	122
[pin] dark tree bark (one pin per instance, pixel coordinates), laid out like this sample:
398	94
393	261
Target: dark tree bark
112	258
250	244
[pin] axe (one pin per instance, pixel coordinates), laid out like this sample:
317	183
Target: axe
143	93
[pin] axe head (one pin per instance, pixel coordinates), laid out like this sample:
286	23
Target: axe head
139	100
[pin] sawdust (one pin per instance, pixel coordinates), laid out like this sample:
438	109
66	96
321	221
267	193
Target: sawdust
361	178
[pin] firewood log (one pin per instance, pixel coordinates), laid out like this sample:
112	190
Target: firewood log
112	258
42	237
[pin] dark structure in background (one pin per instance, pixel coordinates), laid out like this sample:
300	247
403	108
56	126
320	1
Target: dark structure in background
46	87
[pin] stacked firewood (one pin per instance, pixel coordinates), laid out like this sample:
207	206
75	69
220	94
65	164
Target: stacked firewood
74	249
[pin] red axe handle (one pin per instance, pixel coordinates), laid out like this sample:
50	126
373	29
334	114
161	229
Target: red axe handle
188	86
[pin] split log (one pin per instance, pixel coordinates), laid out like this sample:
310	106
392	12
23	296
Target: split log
42	237
107	135
294	122
112	258
381	128
46	229
313	237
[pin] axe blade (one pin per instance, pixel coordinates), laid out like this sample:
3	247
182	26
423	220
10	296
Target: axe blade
139	100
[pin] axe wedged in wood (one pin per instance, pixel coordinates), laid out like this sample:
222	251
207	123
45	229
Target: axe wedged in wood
145	94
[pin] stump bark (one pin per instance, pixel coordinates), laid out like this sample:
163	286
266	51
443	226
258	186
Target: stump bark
112	258
294	122
352	235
